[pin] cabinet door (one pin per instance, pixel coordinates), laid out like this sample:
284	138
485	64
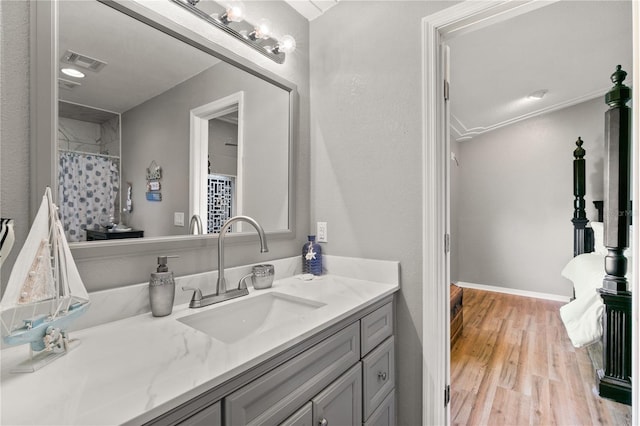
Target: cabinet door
302	417
210	416
340	404
385	414
379	376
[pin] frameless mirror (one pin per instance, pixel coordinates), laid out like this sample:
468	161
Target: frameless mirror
158	131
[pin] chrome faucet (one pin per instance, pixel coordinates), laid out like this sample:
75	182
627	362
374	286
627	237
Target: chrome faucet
195	224
221	294
221	285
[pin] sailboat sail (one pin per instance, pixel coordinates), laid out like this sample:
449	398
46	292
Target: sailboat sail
39	284
73	289
22	273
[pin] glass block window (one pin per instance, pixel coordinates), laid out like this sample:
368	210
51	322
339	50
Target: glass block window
220	190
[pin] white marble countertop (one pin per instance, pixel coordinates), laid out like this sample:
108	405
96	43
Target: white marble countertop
136	368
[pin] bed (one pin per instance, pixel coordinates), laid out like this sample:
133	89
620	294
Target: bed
599	316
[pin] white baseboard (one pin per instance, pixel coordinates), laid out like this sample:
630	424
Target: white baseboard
513	291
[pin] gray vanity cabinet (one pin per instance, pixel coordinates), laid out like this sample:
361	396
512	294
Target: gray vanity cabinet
344	375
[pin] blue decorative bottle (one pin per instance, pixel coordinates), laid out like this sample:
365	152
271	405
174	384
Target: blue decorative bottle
312	257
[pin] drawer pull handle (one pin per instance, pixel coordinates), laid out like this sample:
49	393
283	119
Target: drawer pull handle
323	422
382	375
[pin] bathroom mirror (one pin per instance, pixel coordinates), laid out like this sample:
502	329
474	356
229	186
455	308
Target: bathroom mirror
144	77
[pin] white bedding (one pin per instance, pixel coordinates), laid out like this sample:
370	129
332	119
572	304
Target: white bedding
582	317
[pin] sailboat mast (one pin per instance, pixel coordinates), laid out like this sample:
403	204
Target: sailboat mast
53	240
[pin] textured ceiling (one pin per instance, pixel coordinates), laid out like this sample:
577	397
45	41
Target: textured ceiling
141	61
569	48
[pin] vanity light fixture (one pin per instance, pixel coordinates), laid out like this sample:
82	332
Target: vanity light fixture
538	94
231	21
72	72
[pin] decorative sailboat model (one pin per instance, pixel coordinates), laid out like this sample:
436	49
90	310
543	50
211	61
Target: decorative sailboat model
45	293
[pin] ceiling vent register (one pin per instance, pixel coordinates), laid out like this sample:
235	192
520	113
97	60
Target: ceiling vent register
83	61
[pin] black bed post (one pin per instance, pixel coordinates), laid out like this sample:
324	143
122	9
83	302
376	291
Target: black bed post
582	237
615	379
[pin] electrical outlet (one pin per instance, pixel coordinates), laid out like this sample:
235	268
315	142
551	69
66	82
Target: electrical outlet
321	231
178	218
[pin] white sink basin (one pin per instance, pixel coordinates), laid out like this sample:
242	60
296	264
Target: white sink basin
246	317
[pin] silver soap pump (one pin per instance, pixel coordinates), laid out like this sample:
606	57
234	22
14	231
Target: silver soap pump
162	289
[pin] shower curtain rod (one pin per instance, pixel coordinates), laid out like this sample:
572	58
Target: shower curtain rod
89	153
78	141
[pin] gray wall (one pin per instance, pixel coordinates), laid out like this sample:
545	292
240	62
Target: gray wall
516	198
223	147
100	272
14	122
366	151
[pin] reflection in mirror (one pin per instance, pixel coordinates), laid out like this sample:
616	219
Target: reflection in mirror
222	169
135	107
88	168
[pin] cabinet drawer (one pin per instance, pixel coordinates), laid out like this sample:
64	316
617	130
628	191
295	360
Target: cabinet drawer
385	414
302	417
376	327
378	376
272	398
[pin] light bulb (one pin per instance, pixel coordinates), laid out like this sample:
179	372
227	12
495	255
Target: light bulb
234	13
287	44
262	30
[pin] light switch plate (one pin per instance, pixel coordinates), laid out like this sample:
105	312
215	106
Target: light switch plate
321	232
178	218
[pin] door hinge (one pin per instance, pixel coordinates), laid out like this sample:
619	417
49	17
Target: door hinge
446	90
447	395
447	243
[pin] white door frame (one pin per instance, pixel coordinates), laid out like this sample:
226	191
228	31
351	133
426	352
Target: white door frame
199	149
436	29
635	279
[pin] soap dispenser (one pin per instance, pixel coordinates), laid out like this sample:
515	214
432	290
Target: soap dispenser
162	288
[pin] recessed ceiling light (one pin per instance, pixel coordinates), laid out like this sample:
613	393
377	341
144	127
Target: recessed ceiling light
71	72
538	94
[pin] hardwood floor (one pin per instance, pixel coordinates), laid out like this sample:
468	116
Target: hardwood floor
514	365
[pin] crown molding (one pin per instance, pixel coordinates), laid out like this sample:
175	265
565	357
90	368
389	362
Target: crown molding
463	133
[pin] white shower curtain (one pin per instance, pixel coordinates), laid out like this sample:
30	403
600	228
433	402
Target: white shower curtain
88	187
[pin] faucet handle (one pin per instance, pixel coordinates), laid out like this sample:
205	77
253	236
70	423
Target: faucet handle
242	285
197	293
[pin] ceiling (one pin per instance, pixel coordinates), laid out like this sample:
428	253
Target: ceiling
311	9
141	61
569	48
